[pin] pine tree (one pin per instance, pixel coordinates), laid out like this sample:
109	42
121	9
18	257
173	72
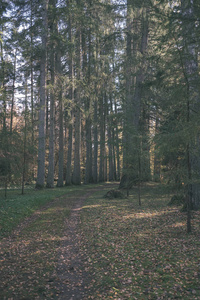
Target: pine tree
41	138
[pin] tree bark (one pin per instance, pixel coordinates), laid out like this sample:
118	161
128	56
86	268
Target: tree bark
88	122
116	138
68	179
25	139
13	92
110	142
50	176
102	139
76	178
193	99
41	138
61	135
95	133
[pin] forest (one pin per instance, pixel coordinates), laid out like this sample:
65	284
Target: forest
100	97
100	90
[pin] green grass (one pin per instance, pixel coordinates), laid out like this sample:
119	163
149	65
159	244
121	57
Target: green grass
16	207
141	252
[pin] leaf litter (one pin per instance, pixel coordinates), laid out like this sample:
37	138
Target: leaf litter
140	252
104	249
42	258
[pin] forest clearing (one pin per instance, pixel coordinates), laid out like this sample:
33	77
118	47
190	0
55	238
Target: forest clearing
81	245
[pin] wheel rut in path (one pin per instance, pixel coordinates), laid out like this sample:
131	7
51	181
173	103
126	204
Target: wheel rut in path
72	278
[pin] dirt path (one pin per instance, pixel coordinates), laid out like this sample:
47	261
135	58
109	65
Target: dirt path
72	278
72	275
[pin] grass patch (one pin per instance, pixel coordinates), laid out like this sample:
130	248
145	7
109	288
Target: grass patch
140	252
16	207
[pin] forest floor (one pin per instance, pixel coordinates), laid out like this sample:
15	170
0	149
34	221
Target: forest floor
41	258
84	246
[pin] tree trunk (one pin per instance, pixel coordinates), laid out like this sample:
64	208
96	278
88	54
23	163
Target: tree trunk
193	106
136	47
102	139
61	149
50	176
76	178
41	138
95	132
25	140
88	123
68	179
88	167
95	121
13	92
61	136
116	138
110	149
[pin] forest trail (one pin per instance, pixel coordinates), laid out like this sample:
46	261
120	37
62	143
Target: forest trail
72	275
42	257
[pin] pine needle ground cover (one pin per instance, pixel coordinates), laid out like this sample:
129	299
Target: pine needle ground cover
141	252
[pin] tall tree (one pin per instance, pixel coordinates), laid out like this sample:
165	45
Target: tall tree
137	37
52	50
61	142
193	105
76	178
68	179
41	138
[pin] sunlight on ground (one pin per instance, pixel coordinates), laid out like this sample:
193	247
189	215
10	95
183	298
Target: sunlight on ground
91	206
147	215
178	224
